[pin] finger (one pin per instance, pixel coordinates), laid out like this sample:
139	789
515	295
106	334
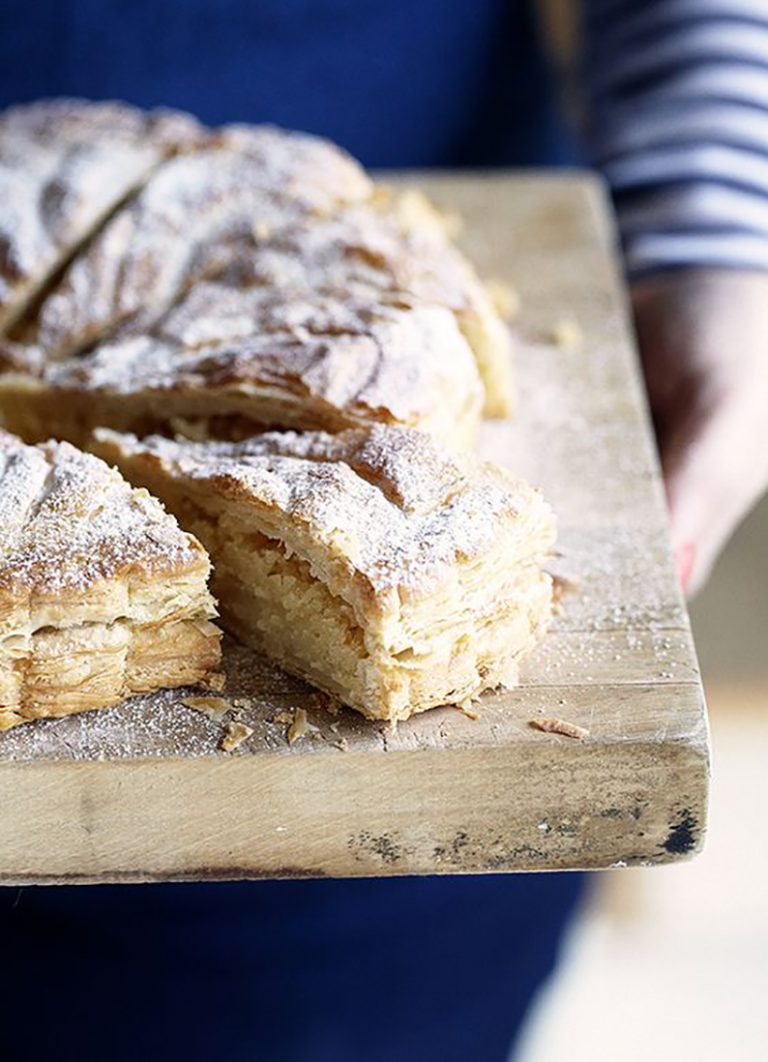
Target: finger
713	478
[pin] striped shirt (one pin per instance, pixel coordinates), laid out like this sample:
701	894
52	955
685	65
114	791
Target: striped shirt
679	125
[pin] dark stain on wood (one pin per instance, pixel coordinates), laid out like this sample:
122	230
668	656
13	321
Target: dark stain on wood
131	877
383	845
682	835
610	813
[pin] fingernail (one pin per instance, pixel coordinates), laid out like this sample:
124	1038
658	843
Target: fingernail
684	555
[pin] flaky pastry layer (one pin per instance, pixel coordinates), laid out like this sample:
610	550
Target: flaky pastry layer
101	593
52	672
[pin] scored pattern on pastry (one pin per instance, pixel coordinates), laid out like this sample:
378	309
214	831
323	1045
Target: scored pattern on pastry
319	364
369	253
386	572
282	221
172	233
101	593
64	166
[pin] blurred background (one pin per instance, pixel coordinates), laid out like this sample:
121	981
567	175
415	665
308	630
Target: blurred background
671	963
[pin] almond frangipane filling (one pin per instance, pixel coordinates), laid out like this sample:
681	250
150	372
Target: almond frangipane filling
386	572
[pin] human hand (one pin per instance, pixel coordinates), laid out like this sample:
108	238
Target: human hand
703	336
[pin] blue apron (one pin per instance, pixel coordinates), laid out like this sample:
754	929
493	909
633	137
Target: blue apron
410	970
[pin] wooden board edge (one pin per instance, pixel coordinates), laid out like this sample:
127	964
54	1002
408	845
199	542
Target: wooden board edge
511	810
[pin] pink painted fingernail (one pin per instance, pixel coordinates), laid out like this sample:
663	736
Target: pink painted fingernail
684	555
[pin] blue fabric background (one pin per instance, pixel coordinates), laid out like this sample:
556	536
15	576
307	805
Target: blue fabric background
399	83
418	970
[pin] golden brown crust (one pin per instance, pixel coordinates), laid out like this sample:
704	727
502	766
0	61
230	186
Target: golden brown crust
293	234
171	234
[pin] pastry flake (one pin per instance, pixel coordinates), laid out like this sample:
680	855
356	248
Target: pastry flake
101	594
389	574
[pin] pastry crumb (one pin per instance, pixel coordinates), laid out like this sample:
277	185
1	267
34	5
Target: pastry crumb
216	681
567	333
506	300
561	587
213	707
559	726
299	726
283	717
342	744
234	735
465	707
415	210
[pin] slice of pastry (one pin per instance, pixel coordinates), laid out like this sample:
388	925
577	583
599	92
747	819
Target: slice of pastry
101	594
64	166
151	251
387	573
314	363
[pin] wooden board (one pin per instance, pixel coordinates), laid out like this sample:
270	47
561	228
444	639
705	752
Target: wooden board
143	791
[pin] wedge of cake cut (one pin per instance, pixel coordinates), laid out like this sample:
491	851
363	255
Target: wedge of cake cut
177	228
371	563
64	166
309	364
101	594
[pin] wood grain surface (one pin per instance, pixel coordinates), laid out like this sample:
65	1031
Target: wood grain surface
145	791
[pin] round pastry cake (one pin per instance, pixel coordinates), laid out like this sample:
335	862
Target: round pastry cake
293	360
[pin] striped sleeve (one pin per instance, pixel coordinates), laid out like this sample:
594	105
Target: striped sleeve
678	93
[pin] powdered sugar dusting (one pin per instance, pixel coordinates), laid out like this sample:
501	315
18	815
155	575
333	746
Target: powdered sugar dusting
151	251
401	510
63	165
407	366
70	522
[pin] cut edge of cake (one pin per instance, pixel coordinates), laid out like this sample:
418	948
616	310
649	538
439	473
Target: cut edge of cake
389	574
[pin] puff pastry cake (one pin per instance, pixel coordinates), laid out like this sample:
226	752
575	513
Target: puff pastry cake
64	166
253	261
101	594
371	563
